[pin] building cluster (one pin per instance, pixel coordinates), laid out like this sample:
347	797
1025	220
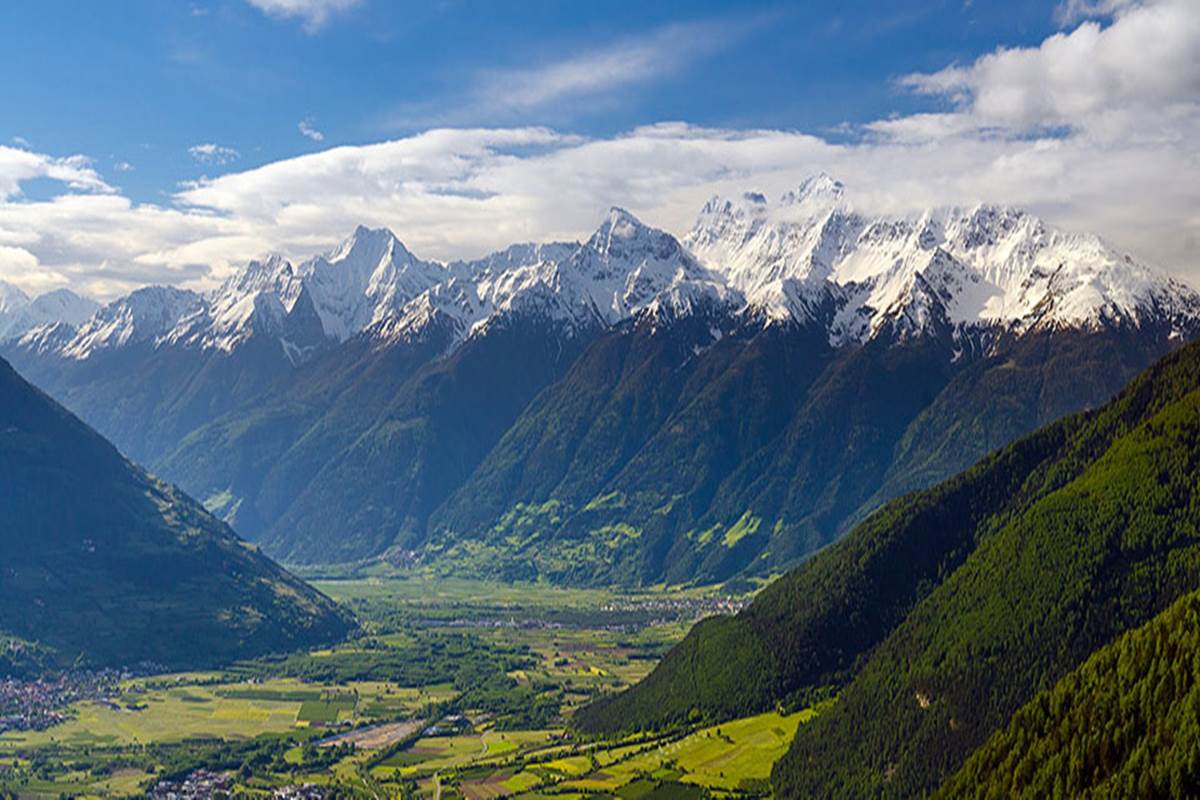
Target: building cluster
202	784
40	704
205	784
308	791
673	609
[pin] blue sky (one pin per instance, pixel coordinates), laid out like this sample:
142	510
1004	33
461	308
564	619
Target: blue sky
139	83
155	141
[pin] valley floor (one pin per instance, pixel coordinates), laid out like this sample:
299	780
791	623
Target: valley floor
455	689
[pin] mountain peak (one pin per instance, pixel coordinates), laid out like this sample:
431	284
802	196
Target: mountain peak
817	190
622	222
371	244
620	225
11	297
19	314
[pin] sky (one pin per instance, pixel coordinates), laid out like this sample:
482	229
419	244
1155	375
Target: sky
152	141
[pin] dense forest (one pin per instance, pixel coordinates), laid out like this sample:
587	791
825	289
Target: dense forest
1124	724
1015	572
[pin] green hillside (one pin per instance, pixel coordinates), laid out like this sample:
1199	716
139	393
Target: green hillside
104	565
950	608
1124	724
655	459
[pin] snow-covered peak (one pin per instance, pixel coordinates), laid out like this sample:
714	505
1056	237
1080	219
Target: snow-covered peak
11	298
624	269
63	305
513	257
982	266
143	316
816	194
19	314
780	255
369	276
626	266
621	231
367	246
807	257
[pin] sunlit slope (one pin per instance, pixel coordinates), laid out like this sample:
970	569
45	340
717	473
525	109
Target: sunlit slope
1124	724
949	608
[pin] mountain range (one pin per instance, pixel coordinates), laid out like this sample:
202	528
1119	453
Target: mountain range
1022	629
104	565
633	408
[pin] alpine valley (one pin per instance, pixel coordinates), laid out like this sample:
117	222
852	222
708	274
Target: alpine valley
631	409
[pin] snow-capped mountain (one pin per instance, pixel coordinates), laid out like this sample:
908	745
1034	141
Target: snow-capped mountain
711	384
145	316
811	258
366	279
624	269
19	314
808	258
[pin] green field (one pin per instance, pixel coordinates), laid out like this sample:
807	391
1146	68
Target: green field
499	692
224	711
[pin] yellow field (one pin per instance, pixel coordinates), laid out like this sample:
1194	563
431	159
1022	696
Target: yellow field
446	752
182	711
721	757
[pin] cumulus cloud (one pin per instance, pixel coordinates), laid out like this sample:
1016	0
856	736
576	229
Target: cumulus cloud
1097	157
308	130
210	153
18	165
1138	76
313	13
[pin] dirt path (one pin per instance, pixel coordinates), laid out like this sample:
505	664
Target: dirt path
377	736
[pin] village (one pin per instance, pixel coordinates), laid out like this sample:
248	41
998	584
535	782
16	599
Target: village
40	704
204	784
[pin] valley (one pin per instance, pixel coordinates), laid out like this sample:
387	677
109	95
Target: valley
599	401
454	688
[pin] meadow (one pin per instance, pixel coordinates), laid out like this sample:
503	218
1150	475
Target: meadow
454	688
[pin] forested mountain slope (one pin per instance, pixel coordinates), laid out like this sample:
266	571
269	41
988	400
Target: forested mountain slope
104	565
948	609
1126	723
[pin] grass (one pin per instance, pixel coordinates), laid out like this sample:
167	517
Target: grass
171	715
223	711
324	711
434	753
568	662
722	757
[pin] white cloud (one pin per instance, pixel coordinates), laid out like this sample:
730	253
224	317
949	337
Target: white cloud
313	13
1139	75
307	129
17	165
577	82
123	166
1098	157
635	60
21	141
210	153
1069	12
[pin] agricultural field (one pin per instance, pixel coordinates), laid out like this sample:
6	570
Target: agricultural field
452	689
175	708
734	758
